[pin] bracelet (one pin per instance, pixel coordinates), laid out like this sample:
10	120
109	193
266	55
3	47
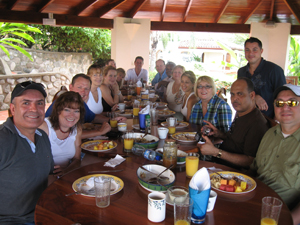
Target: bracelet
219	154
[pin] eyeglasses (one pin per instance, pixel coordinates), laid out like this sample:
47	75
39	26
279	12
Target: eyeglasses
206	87
290	103
27	83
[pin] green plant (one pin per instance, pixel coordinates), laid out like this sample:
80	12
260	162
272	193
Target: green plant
13	34
74	39
294	58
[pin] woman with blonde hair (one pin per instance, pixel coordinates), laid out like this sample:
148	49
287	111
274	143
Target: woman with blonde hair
210	107
174	93
188	79
111	94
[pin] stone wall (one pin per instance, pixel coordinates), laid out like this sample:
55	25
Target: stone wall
51	81
53	69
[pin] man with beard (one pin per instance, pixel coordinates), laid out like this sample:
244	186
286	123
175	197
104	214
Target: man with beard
241	142
26	159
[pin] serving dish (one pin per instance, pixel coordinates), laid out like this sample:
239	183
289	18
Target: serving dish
180	125
89	145
144	176
185	137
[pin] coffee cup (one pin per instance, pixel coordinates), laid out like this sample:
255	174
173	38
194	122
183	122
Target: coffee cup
156	207
122	127
121	107
162	132
211	201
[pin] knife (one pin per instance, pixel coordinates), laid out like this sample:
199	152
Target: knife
105	171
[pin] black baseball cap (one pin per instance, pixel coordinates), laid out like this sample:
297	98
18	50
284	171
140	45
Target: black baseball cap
21	87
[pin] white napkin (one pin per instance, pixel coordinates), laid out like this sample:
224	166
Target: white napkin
136	101
201	180
146	92
115	161
145	110
139	83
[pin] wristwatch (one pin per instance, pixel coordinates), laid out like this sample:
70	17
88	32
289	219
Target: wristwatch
219	154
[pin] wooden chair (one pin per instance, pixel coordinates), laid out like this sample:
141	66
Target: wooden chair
271	122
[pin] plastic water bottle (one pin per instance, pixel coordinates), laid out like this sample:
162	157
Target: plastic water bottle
151	155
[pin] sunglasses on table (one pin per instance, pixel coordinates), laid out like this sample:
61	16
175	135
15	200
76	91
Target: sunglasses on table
206	87
290	103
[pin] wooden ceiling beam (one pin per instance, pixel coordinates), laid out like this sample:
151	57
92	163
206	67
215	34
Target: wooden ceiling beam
272	10
83	6
43	5
163	10
242	21
108	7
187	10
207	27
222	10
11	4
31	17
136	8
293	9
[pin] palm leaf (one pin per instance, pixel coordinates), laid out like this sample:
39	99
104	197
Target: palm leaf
5	50
14	40
20	50
25	36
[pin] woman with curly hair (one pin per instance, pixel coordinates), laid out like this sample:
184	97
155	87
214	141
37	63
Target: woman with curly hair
64	130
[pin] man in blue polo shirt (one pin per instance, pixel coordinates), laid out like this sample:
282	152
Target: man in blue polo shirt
266	76
161	69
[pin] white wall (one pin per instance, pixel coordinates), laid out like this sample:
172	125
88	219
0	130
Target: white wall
129	41
275	40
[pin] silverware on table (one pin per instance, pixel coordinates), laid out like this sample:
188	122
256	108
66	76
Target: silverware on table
106	171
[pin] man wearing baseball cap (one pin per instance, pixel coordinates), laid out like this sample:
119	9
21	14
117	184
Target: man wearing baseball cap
26	159
277	160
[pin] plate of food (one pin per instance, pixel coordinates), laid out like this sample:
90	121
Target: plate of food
126	113
232	182
185	137
98	145
165	112
179	125
145	177
160	105
85	185
148	142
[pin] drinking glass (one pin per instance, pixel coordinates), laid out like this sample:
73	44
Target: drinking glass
136	109
102	191
183	211
172	121
113	122
270	210
128	141
191	164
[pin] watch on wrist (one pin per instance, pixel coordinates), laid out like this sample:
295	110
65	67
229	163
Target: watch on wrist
219	154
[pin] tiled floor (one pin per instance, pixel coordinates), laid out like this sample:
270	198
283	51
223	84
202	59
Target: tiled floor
4	114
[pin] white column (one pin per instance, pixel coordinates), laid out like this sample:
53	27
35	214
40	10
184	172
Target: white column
130	38
275	40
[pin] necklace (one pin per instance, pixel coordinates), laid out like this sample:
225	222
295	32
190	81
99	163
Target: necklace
64	132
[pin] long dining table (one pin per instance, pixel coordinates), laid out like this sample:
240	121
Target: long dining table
129	206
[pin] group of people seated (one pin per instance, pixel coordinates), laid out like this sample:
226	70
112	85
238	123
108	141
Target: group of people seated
35	144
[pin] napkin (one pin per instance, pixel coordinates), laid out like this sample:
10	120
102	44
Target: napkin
146	92
145	110
136	101
139	83
114	161
199	190
152	95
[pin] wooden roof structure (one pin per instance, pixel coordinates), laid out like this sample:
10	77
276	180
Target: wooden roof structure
169	15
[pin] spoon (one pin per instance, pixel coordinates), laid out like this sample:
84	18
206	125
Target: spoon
162	177
153	179
225	178
146	133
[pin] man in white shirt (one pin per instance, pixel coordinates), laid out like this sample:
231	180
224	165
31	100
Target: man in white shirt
138	72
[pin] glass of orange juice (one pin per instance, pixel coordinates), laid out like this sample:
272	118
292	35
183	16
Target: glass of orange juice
172	121
129	94
136	109
128	141
113	122
191	164
183	211
270	210
138	90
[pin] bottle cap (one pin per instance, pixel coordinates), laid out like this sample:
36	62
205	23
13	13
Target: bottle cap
158	158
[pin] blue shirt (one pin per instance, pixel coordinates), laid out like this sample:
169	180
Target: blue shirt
159	78
266	79
88	116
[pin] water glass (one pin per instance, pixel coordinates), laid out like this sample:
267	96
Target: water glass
183	211
102	191
270	210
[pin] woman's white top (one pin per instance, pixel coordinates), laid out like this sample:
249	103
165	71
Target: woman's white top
184	109
62	150
172	105
95	107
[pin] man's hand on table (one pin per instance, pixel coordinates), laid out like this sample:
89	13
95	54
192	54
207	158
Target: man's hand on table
208	148
121	119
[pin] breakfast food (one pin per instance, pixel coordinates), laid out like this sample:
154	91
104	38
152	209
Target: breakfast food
104	145
230	185
185	137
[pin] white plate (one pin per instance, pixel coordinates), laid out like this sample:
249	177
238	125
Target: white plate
89	145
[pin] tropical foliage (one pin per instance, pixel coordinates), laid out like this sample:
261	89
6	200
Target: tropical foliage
14	35
74	39
294	58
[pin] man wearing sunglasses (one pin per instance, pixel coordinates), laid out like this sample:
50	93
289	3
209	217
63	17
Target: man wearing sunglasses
26	159
277	160
241	142
266	76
